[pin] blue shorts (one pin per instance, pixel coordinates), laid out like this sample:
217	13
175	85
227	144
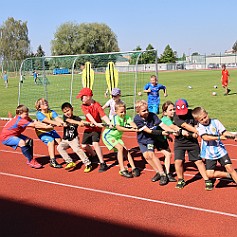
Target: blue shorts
153	108
146	147
14	141
49	136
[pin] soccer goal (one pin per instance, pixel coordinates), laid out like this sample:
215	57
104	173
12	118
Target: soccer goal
61	78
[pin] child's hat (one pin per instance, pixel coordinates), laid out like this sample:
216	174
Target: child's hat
84	91
181	107
115	92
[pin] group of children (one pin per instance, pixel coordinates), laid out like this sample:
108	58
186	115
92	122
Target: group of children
152	134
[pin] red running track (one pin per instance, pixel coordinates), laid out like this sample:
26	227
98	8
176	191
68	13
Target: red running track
55	202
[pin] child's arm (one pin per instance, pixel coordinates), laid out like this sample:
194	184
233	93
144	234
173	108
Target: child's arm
80	123
165	92
37	124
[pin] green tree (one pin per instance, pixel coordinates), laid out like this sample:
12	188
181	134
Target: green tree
86	38
14	41
234	47
40	52
168	56
150	56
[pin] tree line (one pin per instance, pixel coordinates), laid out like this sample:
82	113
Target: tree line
72	39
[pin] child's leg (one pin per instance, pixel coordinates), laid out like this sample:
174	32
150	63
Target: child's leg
74	144
153	161
51	150
98	151
27	150
120	149
130	159
231	171
88	149
179	168
62	147
202	169
168	156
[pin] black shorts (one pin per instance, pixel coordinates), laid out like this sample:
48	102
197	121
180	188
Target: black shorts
211	164
90	137
162	145
193	154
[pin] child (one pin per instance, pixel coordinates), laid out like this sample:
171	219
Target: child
184	119
224	79
112	138
48	136
71	138
5	78
12	136
212	132
147	123
152	89
94	114
35	75
116	94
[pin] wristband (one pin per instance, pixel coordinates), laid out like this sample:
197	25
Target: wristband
156	132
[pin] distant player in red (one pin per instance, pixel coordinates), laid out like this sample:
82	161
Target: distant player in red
224	79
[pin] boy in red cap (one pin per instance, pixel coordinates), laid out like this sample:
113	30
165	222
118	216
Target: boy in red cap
184	119
94	114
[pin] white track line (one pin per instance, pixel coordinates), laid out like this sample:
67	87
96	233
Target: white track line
122	195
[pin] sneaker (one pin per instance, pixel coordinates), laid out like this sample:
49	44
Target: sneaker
163	180
136	172
34	164
171	178
208	185
88	169
54	163
228	91
103	167
156	177
125	173
180	184
70	166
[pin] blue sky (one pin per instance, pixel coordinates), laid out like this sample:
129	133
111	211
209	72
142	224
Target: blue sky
203	26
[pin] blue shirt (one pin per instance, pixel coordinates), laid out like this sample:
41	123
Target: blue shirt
152	122
153	96
212	149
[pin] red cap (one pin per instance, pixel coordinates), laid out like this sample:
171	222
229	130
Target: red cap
84	91
181	107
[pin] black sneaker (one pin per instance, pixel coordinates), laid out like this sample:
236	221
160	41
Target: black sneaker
125	173
163	180
156	177
228	91
54	163
103	167
171	178
180	184
208	185
136	172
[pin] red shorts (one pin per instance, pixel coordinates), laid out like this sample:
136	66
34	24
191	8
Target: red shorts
224	82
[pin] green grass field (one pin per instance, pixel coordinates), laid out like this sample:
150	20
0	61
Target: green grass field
177	82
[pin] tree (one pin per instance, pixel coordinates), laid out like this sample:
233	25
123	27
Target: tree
150	56
234	47
86	38
40	52
168	56
14	41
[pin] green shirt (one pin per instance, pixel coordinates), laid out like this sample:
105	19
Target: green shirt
166	120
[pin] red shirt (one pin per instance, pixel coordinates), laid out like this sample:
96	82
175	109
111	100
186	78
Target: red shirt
96	112
225	74
14	127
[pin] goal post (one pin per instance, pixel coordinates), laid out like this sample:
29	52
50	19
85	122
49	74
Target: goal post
62	77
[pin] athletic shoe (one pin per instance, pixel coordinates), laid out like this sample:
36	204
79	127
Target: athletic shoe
54	163
88	169
70	166
228	91
180	184
136	172
156	177
171	178
103	167
34	164
208	185
163	180
125	173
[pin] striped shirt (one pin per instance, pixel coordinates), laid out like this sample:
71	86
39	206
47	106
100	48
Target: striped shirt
212	150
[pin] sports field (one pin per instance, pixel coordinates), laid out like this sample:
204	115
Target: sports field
195	86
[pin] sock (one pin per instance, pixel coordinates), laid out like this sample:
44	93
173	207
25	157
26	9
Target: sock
27	152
